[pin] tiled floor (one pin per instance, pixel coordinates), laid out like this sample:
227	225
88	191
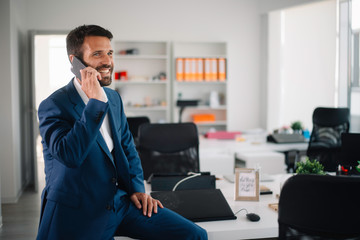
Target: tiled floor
21	219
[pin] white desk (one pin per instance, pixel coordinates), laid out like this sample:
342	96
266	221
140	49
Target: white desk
218	156
242	228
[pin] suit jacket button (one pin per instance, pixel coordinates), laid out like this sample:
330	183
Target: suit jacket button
108	207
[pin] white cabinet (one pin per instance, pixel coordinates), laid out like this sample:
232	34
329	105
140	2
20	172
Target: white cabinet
202	89
144	85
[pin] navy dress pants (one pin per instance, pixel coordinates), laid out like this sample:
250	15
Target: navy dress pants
128	220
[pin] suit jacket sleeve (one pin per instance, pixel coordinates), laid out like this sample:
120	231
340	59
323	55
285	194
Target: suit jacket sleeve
70	140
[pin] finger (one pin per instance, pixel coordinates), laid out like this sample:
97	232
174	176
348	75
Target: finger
135	200
155	206
159	204
98	75
82	74
144	204
150	206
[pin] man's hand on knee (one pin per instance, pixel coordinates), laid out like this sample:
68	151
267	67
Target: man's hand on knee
146	202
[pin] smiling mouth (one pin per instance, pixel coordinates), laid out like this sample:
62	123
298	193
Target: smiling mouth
104	71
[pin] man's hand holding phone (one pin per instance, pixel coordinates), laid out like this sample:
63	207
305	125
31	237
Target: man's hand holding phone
90	83
89	79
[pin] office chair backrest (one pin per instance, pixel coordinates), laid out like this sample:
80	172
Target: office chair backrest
319	207
330	117
329	123
134	124
325	140
168	148
350	149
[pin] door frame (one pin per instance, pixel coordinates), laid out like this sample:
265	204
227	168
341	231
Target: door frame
32	122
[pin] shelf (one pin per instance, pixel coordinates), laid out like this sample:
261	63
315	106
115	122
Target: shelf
205	107
141	94
134	57
134	82
199	49
201	82
155	108
216	123
201	56
204	90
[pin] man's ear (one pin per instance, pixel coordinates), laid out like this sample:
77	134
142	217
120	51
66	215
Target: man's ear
71	57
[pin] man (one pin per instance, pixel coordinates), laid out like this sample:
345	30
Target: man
94	180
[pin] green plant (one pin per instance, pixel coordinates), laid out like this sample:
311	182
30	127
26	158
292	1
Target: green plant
309	167
296	126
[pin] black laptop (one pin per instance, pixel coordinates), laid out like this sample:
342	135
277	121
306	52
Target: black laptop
197	205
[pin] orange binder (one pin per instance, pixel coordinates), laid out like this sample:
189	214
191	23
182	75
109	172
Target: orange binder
222	69
199	69
180	69
192	69
187	69
214	69
207	69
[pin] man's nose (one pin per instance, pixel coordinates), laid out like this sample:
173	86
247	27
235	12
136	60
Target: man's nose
106	60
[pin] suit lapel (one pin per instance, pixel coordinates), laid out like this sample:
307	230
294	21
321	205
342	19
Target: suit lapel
121	164
79	106
75	98
100	140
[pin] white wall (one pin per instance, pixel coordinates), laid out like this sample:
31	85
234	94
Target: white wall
8	98
4	69
236	22
13	48
273	5
302	63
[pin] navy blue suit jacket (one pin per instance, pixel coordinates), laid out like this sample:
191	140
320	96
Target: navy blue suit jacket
82	177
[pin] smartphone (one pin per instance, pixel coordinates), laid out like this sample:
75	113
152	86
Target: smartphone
77	65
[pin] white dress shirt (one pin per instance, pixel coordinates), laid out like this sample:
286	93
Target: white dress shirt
105	126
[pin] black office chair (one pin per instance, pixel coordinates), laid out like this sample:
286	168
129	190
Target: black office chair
350	153
325	140
319	207
134	124
168	148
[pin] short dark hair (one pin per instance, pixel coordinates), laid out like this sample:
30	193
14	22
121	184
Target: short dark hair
75	38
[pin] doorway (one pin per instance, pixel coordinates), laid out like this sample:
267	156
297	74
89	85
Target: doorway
51	71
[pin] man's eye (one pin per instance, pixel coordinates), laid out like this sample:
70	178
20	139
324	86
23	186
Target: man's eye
96	54
110	53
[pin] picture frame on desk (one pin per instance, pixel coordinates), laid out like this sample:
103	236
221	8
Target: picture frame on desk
247	184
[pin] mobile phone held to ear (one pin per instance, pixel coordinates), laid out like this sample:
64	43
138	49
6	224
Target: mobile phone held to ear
77	65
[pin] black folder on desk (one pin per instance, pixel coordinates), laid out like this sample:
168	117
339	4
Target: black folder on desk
197	205
286	138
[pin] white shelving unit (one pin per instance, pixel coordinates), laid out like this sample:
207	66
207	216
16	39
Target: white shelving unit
200	90
142	93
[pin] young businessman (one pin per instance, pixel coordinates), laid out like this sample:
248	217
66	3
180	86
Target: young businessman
94	180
